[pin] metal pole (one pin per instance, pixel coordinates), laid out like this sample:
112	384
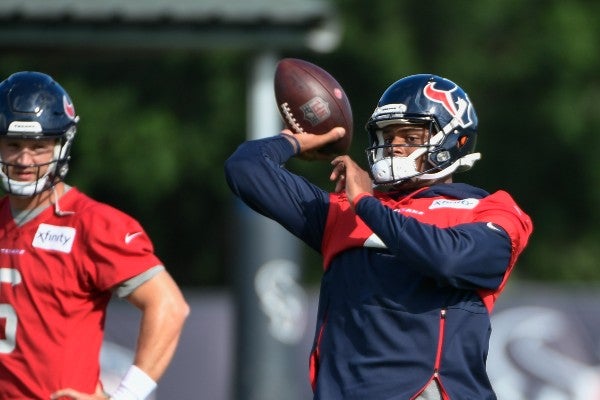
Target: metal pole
271	306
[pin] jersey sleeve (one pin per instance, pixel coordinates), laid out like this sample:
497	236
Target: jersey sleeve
256	174
500	208
469	255
117	247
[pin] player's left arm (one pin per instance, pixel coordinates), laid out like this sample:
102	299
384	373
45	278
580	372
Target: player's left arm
164	311
471	255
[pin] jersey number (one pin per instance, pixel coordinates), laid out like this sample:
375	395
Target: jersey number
7	341
8	316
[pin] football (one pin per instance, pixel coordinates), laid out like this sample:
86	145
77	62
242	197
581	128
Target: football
310	100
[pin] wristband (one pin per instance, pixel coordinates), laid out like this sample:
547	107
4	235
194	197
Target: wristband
295	143
135	385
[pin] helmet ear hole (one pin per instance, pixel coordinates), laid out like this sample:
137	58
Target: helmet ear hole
462	141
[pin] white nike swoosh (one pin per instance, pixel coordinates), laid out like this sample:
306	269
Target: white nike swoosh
494	227
130	236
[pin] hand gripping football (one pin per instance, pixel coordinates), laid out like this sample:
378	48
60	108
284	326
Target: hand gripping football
311	100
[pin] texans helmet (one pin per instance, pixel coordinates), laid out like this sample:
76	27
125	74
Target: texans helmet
34	106
425	100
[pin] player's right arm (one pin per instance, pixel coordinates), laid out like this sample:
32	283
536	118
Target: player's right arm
306	144
255	173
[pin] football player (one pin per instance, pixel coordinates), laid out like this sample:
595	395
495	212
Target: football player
62	256
413	262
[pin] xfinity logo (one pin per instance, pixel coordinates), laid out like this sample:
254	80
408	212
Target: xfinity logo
466	204
51	237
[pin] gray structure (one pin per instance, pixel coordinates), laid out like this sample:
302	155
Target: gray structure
168	24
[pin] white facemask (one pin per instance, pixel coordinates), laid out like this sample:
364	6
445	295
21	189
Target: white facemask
394	169
29	189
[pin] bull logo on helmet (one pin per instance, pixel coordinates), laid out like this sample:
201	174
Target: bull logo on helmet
458	108
69	108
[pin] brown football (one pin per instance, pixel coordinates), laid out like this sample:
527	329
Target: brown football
311	100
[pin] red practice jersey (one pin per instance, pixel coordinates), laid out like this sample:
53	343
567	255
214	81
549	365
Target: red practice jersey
56	276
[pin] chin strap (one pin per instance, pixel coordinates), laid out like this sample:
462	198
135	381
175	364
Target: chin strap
464	163
57	209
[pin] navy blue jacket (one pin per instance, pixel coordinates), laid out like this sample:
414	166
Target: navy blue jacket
409	280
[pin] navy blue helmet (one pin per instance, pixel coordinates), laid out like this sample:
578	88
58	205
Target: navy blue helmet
426	100
34	106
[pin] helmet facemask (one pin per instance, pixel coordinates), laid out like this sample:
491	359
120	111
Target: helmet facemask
430	161
57	169
387	168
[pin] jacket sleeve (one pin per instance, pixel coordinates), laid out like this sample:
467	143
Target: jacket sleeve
472	255
256	174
